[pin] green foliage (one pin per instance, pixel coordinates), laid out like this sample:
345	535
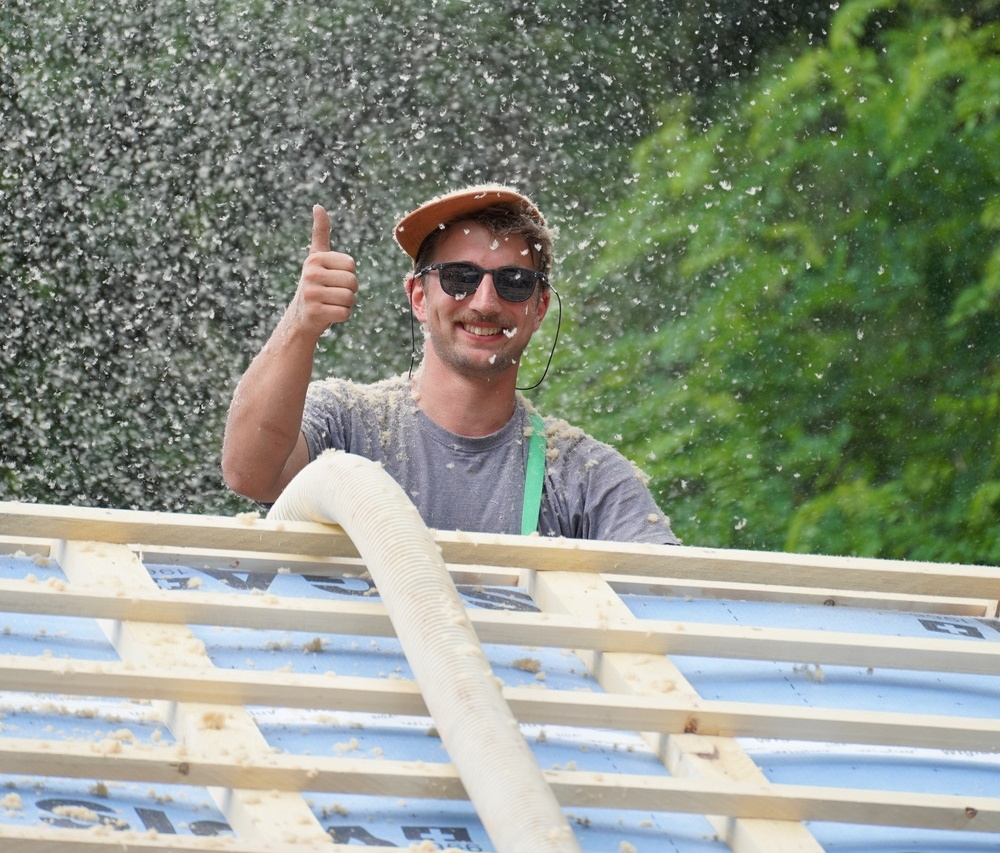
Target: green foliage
806	294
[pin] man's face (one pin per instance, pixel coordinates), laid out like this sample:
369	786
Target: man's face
481	334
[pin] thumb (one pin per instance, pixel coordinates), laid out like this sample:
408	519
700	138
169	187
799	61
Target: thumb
321	230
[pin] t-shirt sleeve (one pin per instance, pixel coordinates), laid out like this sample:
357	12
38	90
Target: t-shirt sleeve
324	423
593	492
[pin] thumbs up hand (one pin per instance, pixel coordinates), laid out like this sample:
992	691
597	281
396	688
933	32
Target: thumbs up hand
328	286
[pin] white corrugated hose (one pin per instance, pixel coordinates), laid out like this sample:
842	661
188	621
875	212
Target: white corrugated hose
500	775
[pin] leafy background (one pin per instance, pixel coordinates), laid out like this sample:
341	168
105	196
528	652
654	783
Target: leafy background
779	251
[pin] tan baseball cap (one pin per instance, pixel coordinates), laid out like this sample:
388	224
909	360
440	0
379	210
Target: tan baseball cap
412	229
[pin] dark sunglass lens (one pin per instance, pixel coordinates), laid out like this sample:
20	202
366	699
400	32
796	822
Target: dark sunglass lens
515	284
462	278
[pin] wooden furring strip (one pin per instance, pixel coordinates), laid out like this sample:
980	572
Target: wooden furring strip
418	779
31	521
646	636
665	713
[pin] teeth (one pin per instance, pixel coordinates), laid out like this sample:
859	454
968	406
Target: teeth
484	331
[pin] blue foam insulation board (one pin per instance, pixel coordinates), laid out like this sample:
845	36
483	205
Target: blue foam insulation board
368	820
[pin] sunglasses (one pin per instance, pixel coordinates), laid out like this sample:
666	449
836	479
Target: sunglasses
459	279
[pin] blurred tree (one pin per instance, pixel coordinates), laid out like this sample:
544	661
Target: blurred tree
134	206
160	158
802	302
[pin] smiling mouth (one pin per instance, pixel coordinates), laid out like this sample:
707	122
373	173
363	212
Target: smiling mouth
485	331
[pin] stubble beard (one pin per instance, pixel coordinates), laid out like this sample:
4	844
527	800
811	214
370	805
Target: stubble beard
475	365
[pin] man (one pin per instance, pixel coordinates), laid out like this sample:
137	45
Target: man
457	436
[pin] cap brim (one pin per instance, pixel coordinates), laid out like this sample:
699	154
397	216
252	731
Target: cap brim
412	229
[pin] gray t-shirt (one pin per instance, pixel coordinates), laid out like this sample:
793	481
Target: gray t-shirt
477	484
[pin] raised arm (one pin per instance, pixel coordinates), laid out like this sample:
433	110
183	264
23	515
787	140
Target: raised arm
263	446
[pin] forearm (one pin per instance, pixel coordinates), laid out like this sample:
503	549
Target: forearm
263	446
262	450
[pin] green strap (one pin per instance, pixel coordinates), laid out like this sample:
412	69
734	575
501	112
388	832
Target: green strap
534	474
